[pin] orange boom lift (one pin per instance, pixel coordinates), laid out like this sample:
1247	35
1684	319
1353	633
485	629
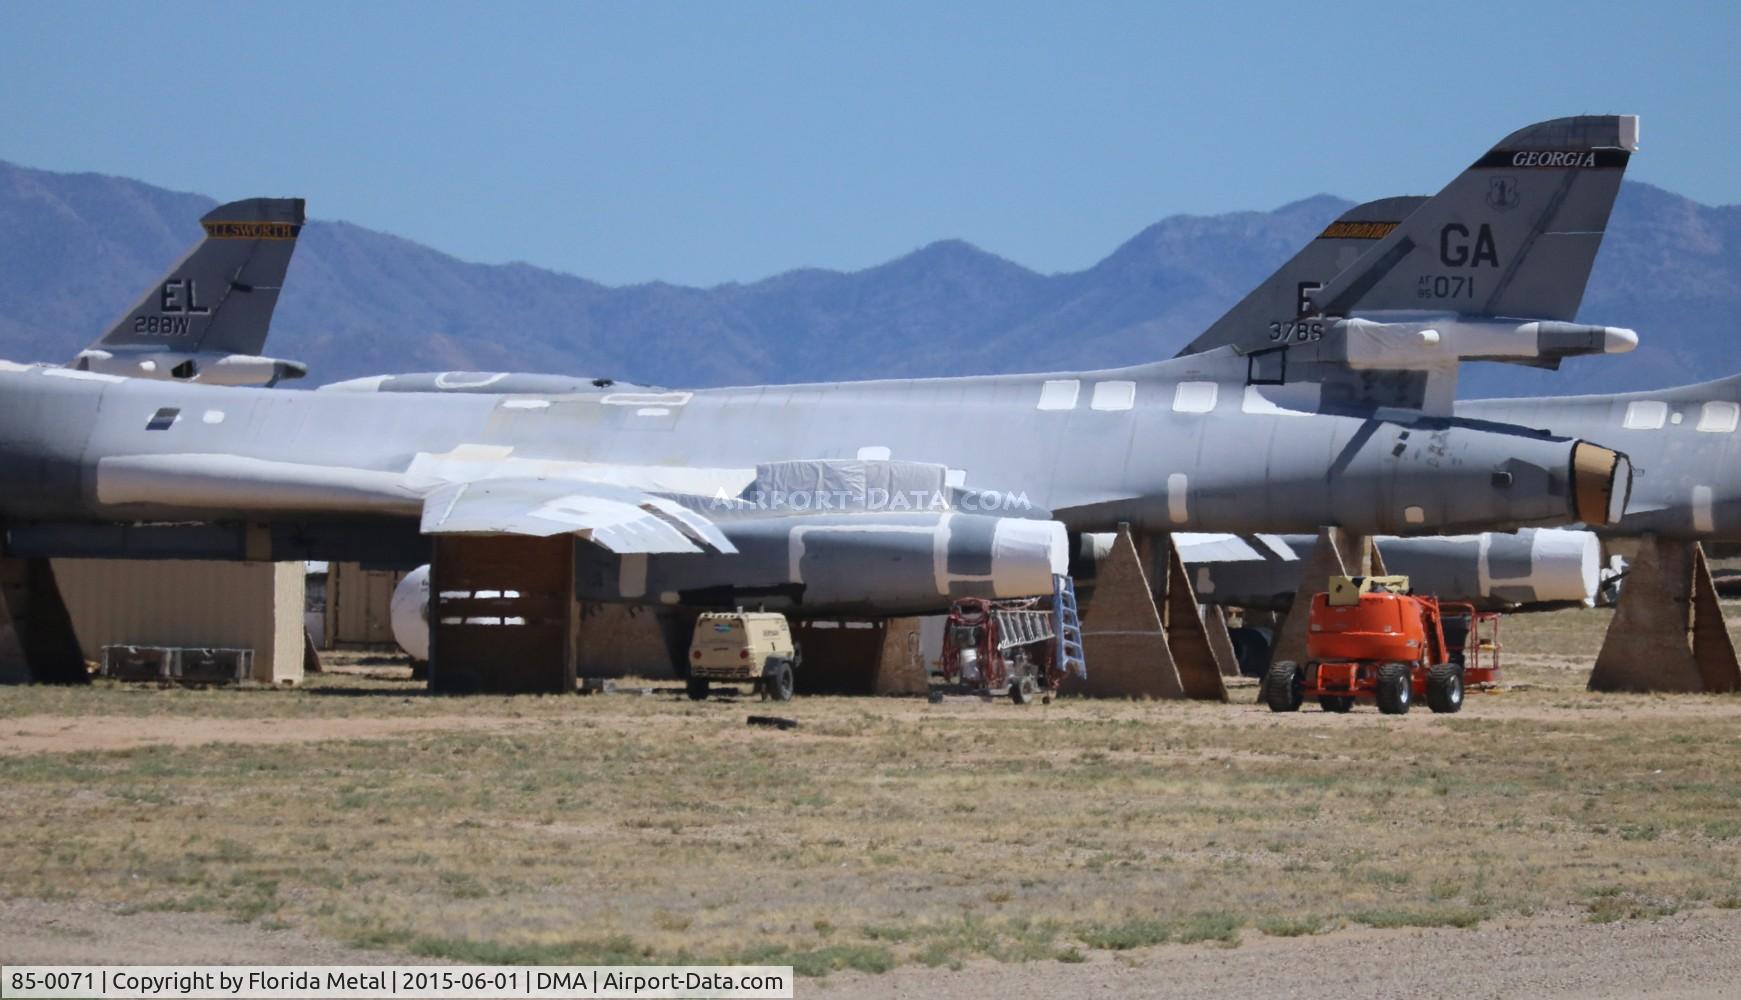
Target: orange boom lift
1370	639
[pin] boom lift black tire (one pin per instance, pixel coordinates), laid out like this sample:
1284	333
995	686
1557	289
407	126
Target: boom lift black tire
1445	687
1336	703
1281	687
698	688
1395	688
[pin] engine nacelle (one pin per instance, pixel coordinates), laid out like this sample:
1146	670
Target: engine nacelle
828	564
1393	473
881	564
1535	567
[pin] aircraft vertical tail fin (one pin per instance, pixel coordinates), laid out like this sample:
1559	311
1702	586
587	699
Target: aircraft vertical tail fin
1514	235
1267	316
220	297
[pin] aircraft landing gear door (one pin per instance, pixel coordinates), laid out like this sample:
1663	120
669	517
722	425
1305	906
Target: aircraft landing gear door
1267	367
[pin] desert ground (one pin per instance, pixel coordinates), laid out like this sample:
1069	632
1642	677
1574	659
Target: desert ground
1545	841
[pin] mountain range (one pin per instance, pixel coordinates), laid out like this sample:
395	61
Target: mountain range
80	248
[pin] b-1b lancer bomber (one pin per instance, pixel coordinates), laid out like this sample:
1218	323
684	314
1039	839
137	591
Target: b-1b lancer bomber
889	497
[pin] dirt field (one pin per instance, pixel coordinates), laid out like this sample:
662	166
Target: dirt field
1545	841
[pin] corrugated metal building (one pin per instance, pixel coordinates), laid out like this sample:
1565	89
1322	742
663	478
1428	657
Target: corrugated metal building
145	602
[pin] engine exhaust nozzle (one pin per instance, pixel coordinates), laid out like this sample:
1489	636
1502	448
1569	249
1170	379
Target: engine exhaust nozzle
1601	483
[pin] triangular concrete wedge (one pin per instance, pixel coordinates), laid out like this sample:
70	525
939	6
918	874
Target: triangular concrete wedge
1221	641
1187	639
1647	647
1122	638
1713	649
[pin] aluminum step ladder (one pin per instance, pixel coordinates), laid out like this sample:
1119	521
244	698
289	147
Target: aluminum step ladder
1022	628
1067	626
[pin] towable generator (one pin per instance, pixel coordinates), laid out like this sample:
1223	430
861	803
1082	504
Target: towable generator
1370	639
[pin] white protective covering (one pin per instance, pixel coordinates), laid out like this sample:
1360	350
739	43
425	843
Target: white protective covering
409	613
1565	565
1026	554
806	485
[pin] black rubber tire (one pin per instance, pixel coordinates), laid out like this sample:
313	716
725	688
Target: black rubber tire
777	680
1336	703
1445	687
698	688
1023	690
1395	688
1281	687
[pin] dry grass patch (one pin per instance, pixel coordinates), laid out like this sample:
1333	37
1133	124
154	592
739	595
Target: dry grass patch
598	829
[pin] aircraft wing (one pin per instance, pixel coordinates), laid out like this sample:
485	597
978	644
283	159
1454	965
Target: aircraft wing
621	520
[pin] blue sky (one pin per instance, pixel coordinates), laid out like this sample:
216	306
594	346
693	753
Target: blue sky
700	143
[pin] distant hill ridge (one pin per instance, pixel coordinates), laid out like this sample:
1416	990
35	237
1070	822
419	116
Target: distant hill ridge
78	248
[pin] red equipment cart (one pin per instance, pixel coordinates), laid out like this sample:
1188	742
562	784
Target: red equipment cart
995	647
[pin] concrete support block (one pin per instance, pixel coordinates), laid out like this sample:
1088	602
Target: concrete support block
1187	639
1668	632
1215	620
902	668
1713	649
37	643
1336	553
1123	637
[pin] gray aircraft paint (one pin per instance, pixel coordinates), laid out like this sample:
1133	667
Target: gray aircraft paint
1682	441
1270	313
498	383
1521	226
1178	445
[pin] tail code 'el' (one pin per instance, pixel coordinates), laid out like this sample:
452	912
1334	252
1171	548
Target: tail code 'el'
220	297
